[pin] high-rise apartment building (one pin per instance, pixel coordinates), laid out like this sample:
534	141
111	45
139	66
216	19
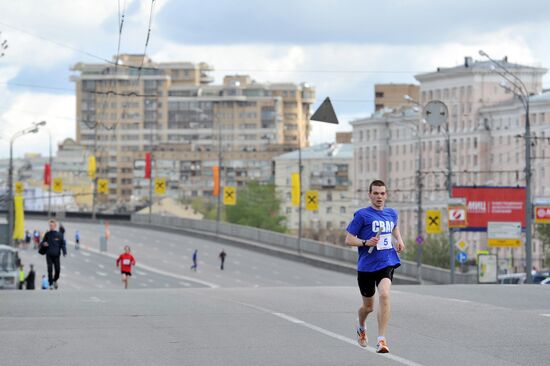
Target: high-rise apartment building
486	126
392	96
189	124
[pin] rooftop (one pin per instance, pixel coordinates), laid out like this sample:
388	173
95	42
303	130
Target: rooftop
321	151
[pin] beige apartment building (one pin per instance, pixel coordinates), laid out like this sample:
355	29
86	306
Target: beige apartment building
485	121
328	169
392	96
175	110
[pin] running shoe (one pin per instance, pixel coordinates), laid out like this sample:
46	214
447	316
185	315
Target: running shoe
362	337
55	285
382	347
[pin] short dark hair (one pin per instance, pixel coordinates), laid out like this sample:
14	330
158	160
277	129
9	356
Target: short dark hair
376	183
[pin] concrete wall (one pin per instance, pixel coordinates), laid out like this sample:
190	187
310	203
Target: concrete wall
336	255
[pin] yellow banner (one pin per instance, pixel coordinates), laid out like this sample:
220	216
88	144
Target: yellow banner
508	243
91	166
295	193
58	185
160	186
103	186
312	200
433	221
19	225
229	196
19	188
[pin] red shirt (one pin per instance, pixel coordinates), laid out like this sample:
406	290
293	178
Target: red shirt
126	261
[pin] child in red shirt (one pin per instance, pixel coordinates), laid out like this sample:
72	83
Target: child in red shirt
125	261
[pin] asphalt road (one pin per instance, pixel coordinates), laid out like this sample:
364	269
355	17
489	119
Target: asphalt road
431	325
164	261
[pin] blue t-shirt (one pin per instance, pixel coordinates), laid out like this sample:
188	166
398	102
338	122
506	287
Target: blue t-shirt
365	224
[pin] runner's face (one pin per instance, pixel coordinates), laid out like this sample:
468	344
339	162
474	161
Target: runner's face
378	196
52	225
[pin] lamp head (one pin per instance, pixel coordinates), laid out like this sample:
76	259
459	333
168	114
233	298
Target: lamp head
483	53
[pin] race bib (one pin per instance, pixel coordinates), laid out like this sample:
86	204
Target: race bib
384	242
126	262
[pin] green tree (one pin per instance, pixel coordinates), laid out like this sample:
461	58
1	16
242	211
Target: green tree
257	206
435	251
543	232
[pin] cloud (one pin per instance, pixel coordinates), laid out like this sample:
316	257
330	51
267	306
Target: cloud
346	21
28	107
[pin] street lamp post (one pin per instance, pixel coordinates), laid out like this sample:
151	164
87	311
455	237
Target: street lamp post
51	174
419	184
520	91
33	129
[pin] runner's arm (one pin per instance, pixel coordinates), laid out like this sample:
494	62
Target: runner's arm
400	246
353	241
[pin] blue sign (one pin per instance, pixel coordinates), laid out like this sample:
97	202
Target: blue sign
419	239
461	257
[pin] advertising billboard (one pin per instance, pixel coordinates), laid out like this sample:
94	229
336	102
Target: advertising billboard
484	204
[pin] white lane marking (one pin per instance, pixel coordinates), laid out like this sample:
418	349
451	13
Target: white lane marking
329	333
459	300
101	266
158	271
101	273
95	299
548	315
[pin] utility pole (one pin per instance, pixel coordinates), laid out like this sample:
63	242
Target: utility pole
419	208
520	90
151	176
50	180
94	179
449	189
219	207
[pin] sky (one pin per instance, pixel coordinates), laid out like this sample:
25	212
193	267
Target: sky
341	47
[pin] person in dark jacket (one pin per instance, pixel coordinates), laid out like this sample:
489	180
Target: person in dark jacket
55	243
29	280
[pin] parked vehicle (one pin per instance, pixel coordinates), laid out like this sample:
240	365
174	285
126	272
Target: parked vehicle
540	276
545	282
9	261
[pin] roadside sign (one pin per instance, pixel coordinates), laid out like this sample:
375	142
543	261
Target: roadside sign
457	216
19	188
504	234
462	245
461	257
542	214
229	196
312	200
419	239
58	185
487	268
436	113
103	185
433	221
160	186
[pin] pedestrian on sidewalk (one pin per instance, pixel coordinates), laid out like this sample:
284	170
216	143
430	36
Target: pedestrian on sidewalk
21	277
52	245
125	261
29	280
222	256
195	255
77	240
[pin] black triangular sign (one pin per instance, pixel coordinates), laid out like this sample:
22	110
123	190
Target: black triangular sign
325	113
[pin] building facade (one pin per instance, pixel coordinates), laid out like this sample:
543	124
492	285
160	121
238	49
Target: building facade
189	124
484	123
328	169
392	96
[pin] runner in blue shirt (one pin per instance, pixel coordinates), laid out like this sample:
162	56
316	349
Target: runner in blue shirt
371	230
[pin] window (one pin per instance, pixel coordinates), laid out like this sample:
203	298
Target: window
329	210
379	94
342	210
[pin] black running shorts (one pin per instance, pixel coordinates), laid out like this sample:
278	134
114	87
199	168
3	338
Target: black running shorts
126	273
368	280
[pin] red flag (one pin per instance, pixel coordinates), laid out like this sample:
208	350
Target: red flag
47	174
147	165
216	176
